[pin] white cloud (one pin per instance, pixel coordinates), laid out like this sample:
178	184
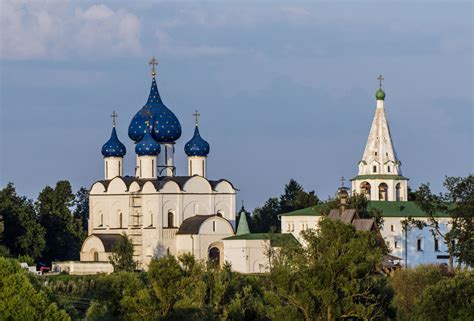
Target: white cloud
296	11
51	29
168	45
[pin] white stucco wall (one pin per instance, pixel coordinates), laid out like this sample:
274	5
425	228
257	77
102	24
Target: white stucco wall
296	224
406	247
247	256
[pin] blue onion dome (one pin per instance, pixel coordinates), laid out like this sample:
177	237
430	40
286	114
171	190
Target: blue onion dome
113	147
165	125
148	146
197	146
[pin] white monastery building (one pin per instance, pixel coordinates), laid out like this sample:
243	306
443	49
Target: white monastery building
380	179
164	213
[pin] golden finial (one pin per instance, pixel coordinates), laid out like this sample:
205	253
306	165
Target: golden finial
196	117
114	118
153	62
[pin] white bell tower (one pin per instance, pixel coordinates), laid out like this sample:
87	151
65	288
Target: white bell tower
380	176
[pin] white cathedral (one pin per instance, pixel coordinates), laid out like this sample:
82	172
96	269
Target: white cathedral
165	213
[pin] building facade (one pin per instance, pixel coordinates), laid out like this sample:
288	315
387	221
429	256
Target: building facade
158	210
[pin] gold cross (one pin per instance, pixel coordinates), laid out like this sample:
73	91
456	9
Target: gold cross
114	118
196	116
380	78
153	62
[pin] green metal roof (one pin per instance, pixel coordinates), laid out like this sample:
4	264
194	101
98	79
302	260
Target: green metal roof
379	176
401	209
276	239
243	227
388	209
309	211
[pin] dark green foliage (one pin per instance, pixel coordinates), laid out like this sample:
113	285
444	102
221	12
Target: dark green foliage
458	203
408	286
81	212
450	299
21	299
22	233
334	276
428	293
64	233
122	255
265	218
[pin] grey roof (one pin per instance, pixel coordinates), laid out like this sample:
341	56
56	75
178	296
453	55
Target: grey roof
108	240
347	216
160	181
363	224
191	225
350	216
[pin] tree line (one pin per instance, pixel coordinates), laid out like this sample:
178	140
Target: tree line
336	276
52	228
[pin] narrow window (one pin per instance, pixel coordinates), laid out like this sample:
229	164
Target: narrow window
170	219
140	168
152	167
151	219
120	219
101	219
396	244
107	169
392	228
166	155
386	154
388	243
436	245
374	169
96	257
288	227
418	245
120	168
190	168
388	169
213	226
203	169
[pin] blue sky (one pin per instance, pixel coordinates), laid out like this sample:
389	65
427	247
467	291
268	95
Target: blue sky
285	89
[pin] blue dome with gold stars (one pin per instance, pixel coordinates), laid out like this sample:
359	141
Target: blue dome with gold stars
197	146
147	146
113	147
165	125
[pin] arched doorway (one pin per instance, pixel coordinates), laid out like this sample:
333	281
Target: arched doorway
383	192
215	256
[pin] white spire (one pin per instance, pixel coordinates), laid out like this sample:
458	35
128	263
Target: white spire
379	156
380	177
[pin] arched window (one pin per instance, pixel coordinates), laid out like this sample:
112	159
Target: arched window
365	189
120	220
96	257
374	168
383	192
170	219
398	192
151	219
214	256
101	222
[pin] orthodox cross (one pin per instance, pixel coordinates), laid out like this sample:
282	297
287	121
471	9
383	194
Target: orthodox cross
196	116
153	62
114	118
342	181
380	79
